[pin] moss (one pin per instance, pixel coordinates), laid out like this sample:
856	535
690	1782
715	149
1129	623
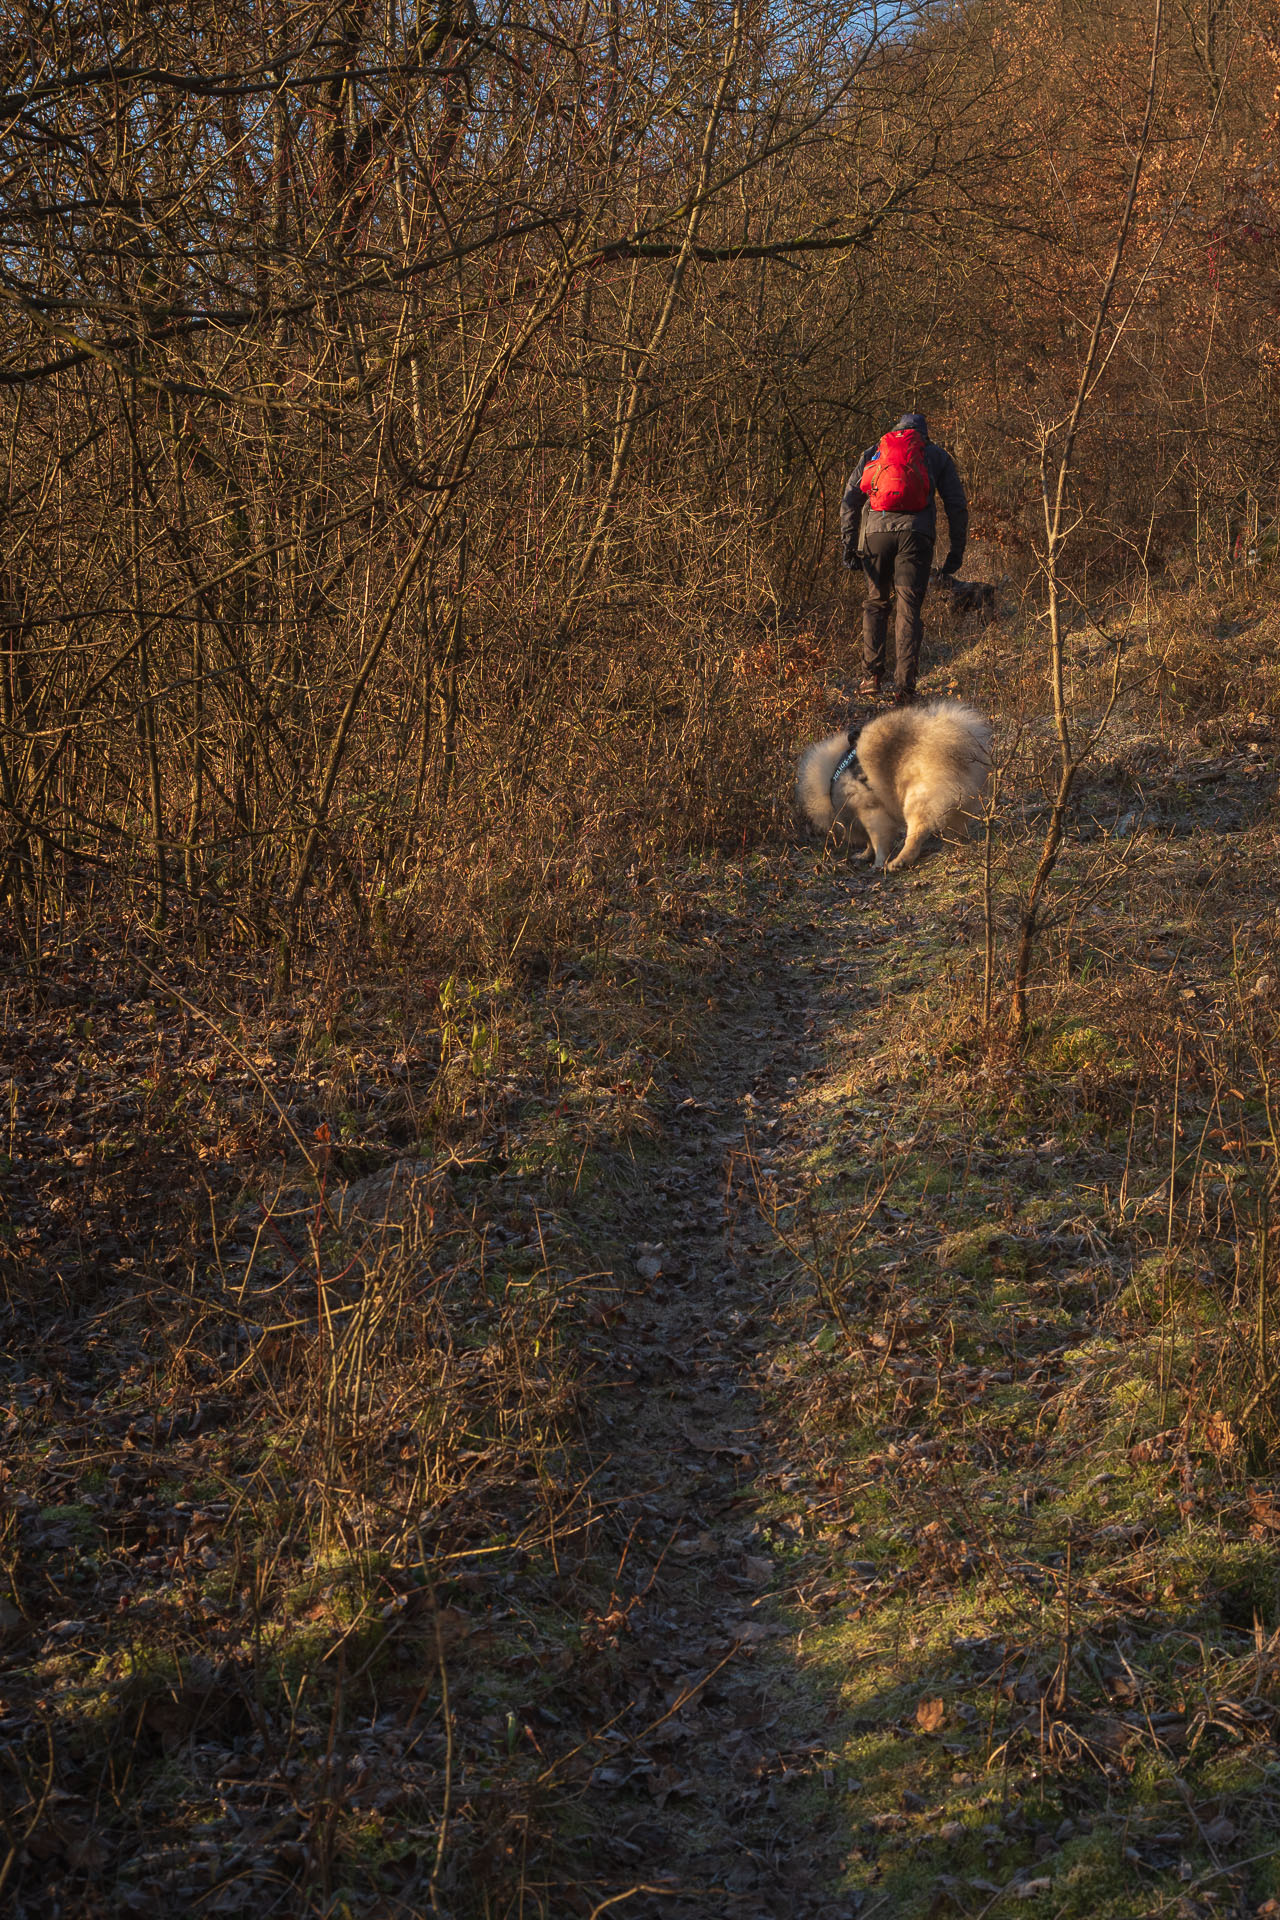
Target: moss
1165	1284
970	1252
1079	1045
1239	1579
341	1582
80	1522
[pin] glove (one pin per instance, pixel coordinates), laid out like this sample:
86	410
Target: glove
950	565
851	556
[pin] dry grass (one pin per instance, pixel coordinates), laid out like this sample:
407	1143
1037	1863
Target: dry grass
310	1285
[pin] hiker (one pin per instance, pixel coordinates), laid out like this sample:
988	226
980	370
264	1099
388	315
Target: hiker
888	523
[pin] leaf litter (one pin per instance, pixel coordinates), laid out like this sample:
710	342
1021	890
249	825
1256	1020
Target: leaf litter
783	1462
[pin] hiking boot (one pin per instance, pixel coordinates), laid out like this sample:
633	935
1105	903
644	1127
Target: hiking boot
904	697
869	687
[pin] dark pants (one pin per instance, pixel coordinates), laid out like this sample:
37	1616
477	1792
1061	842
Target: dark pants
897	565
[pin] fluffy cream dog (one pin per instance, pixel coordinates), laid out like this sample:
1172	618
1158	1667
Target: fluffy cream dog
919	770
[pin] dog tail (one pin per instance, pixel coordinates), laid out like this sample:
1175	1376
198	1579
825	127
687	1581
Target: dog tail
977	726
813	780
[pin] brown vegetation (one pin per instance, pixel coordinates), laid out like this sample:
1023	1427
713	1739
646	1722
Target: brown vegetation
399	406
424	431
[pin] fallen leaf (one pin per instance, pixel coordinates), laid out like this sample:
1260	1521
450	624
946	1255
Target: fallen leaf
697	1548
452	1625
668	1780
1221	1436
1263	1510
750	1633
931	1715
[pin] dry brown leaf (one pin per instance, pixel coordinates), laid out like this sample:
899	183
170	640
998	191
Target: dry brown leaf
452	1625
931	1715
751	1632
1221	1437
1263	1510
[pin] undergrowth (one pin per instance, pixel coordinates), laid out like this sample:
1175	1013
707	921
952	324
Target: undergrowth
309	1595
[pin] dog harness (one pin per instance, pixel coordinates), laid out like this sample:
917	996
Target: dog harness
850	764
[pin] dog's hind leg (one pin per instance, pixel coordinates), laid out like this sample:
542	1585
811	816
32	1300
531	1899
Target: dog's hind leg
918	835
848	836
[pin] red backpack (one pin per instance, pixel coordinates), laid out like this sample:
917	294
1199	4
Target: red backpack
895	478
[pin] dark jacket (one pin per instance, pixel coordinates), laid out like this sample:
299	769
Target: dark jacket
857	519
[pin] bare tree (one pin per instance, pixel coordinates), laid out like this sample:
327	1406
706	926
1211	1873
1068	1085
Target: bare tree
1057	454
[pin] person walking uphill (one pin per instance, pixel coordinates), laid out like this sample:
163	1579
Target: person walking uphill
888	525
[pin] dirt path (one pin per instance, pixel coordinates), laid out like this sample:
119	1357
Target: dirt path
716	1785
948	1571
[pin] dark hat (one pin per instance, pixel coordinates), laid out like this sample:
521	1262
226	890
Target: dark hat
916	421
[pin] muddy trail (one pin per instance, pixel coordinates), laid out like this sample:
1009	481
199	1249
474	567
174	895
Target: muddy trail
717	1789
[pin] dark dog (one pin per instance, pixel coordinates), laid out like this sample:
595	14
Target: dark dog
968	596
